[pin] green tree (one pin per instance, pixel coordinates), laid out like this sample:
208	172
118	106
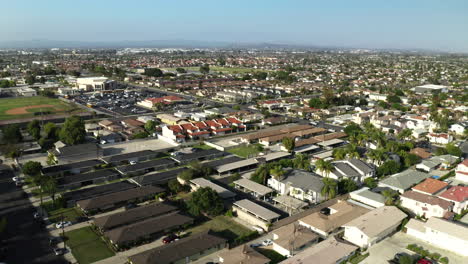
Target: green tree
34	129
205	201
49	185
346	186
324	166
181	70
387	168
370	182
352	129
73	131
12	134
394	99
32	168
453	150
186	175
301	161
261	174
30	79
329	188
390	196
174	186
277	171
51	131
410	159
153	72
315	103
289	144
150	126
405	134
205	69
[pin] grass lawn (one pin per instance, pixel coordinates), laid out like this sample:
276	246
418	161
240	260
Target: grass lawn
56	106
274	256
201	146
224	226
87	246
244	151
55	212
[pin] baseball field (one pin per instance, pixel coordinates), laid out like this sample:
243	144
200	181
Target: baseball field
26	107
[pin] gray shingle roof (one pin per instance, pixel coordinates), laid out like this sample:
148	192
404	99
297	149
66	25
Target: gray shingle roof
304	180
406	179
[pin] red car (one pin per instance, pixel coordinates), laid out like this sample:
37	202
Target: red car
170	238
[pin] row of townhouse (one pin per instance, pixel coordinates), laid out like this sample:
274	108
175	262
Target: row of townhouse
202	129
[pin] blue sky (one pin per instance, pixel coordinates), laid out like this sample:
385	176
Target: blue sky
430	24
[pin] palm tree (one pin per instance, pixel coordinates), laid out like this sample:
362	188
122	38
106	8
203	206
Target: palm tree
301	161
277	172
352	151
390	196
324	166
329	188
339	153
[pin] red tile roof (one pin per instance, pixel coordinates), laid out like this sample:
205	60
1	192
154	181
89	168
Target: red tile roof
456	193
212	123
223	122
234	120
223	129
200	125
430	186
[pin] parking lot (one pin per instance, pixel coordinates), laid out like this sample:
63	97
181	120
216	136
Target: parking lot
121	103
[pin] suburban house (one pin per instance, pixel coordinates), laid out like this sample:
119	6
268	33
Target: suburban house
79	180
330	251
87	193
71	168
130	216
290	239
354	169
461	173
117	199
459	128
437	162
372	227
422	153
430	186
69	154
368	197
198	183
147	229
254	213
458	195
242	254
425	205
126	158
182	251
440	138
404	180
257	190
440	233
300	184
332	218
145	167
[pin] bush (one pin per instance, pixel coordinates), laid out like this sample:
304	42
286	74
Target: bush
444	260
435	256
229	213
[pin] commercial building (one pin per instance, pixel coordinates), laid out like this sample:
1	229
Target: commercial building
430	89
95	84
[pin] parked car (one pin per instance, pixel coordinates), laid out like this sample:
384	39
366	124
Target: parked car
267	242
130	206
59	251
170	238
54	240
424	261
63	224
255	245
17	178
37	215
19	183
132	162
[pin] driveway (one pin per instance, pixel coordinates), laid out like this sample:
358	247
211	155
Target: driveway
387	248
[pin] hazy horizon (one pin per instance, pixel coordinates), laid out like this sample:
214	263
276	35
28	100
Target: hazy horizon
429	25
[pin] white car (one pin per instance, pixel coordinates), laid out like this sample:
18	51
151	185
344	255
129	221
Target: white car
37	215
17	178
132	162
63	224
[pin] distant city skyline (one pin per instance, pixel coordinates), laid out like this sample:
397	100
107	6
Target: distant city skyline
397	24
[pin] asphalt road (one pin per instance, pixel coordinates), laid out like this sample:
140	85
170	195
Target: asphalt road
24	240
